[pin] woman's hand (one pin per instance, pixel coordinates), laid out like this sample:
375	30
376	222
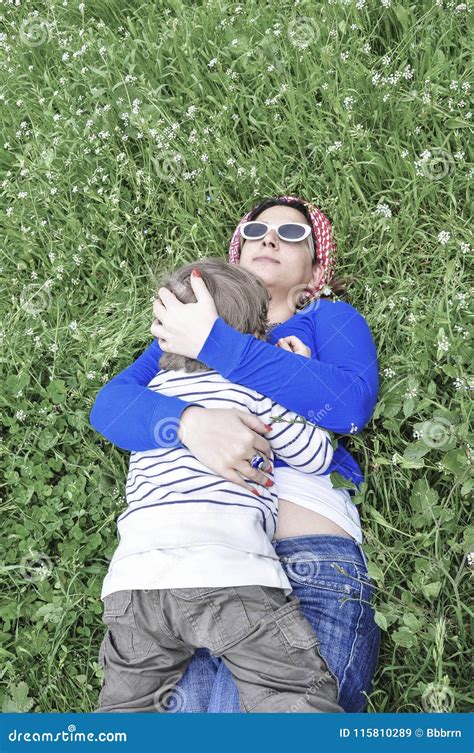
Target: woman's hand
225	439
294	345
183	328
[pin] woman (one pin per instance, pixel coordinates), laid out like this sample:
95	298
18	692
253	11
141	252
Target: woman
318	538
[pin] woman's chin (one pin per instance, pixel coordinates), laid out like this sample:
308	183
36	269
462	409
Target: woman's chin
267	271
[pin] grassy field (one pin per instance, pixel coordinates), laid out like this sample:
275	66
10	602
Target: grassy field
134	136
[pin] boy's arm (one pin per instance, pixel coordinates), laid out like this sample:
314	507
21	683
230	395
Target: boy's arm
303	446
133	416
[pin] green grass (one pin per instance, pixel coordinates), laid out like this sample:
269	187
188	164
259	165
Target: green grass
105	180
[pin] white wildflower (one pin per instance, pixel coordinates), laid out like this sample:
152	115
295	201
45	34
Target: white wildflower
383	209
443	237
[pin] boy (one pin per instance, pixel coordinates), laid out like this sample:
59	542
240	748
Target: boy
195	565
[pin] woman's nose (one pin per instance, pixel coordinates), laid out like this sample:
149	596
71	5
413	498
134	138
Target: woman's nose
271	237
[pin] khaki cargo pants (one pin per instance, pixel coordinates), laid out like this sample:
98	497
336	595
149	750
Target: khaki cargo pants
261	635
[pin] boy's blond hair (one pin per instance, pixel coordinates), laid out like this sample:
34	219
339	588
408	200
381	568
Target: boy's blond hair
240	296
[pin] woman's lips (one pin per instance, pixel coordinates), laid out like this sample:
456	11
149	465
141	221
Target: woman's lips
266	258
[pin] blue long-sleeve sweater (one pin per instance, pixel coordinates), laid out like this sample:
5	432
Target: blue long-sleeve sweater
336	388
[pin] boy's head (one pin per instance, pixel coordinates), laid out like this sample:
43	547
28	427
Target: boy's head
240	296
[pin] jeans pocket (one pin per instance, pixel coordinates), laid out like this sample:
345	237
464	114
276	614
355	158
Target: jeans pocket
331	594
337	576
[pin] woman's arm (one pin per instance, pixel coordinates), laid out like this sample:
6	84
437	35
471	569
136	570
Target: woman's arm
337	388
128	413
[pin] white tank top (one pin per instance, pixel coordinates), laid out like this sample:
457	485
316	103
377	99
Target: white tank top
317	493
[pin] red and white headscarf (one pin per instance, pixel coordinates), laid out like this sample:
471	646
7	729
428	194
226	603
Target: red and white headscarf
324	243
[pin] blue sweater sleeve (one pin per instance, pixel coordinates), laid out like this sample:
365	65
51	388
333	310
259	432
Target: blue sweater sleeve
131	415
336	388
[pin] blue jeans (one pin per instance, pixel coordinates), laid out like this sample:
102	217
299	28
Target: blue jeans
338	605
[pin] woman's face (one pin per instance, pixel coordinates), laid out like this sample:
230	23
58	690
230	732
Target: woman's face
292	264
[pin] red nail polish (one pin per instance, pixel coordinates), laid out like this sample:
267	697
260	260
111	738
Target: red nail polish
268	427
196	273
269	483
256	492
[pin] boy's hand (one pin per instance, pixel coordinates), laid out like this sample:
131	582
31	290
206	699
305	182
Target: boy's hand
294	345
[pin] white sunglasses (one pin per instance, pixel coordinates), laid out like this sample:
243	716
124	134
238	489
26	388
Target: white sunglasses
254	230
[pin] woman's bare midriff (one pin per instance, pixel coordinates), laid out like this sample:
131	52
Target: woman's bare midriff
294	520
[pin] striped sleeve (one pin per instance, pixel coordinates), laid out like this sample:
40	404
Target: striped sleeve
300	443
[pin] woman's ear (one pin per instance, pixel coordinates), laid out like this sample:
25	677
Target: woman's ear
318	272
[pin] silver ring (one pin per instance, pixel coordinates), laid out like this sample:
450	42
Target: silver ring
257	461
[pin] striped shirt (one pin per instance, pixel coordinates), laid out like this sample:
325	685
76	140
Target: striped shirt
180	509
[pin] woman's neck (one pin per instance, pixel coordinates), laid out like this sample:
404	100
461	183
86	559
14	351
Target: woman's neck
279	314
